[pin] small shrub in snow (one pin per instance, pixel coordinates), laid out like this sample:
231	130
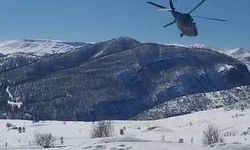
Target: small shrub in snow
122	132
181	140
243	107
62	140
102	129
20	129
45	140
13	128
8	125
192	140
245	133
163	138
212	135
228	134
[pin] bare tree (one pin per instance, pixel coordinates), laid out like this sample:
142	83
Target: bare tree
212	135
102	129
45	140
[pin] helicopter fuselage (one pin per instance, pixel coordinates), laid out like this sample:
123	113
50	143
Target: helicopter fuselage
185	23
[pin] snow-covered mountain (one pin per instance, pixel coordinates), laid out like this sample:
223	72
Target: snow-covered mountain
115	79
15	60
240	54
38	47
17	53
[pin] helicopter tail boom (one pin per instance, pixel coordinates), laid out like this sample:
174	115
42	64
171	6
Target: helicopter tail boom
169	24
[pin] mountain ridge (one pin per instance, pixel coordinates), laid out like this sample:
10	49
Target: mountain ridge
38	47
115	79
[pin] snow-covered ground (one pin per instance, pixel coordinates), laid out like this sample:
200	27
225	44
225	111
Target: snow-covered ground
139	135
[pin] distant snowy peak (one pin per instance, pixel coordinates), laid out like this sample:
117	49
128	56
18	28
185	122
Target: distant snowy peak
239	52
198	45
116	45
201	46
38	47
122	38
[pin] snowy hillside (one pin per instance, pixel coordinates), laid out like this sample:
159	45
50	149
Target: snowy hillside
237	98
139	135
37	47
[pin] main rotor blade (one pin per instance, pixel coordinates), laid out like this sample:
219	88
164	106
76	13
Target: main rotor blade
166	9
172	5
156	5
173	22
197	6
215	19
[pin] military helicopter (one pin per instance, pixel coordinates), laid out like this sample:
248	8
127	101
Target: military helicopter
185	21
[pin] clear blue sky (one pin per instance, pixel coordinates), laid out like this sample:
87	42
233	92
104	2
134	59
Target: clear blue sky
98	20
